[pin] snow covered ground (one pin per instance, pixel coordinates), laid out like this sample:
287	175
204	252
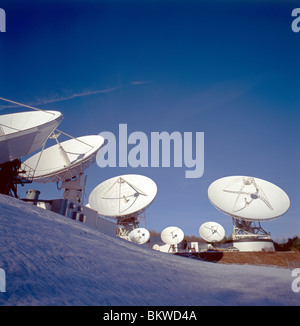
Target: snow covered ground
49	259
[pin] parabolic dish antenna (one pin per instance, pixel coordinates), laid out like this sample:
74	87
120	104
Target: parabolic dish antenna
139	236
123	196
64	160
25	132
172	235
212	232
248	198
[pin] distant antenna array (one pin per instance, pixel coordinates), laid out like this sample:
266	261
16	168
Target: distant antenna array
247	200
125	199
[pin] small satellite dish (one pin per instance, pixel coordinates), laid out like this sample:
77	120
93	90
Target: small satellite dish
64	160
172	235
248	198
25	132
212	232
123	196
139	236
156	247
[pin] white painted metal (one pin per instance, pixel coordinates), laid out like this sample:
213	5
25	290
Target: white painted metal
254	245
212	232
64	160
25	132
166	248
123	196
139	236
172	235
248	198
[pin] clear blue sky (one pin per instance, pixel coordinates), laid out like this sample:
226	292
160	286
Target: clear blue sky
228	69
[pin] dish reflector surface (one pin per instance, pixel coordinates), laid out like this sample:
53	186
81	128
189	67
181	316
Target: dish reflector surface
25	132
123	195
65	160
139	235
172	235
212	232
248	198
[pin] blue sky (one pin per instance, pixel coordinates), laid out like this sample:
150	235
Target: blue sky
228	69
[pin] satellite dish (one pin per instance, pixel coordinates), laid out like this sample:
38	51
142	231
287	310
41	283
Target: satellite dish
172	235
249	201
139	236
123	196
212	232
25	132
156	247
248	198
64	160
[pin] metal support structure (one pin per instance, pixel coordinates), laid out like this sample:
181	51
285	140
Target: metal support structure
247	229
75	188
126	224
10	177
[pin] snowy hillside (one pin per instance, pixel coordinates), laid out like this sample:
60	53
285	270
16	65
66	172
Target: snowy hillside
52	260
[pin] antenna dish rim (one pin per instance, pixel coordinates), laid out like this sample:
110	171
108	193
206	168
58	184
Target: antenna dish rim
29	132
62	171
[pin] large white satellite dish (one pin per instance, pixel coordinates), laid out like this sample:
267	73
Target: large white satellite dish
25	132
249	201
123	196
248	198
172	235
139	236
64	160
212	232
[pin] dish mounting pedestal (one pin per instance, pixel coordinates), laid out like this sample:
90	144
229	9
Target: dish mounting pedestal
248	229
75	188
128	223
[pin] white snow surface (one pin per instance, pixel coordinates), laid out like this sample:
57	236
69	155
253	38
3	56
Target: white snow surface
50	259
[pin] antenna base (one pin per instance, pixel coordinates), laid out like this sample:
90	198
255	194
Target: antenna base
248	229
74	188
126	224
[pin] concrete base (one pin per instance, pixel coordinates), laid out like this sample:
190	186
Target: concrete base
253	244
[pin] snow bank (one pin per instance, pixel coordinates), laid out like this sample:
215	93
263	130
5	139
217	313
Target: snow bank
52	260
